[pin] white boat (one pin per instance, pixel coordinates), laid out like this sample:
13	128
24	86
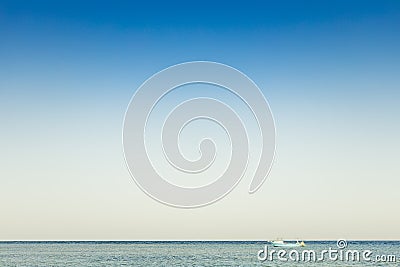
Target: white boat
281	243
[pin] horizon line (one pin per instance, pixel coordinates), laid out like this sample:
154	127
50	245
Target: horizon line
186	240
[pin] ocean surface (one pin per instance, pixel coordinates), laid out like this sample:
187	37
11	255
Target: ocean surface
190	253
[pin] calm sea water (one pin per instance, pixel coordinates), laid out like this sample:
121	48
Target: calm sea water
176	253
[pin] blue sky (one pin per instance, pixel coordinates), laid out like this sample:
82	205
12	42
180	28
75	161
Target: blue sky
329	69
314	40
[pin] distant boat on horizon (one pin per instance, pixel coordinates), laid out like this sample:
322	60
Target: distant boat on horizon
282	243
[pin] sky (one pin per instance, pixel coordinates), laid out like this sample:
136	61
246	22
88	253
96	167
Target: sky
329	70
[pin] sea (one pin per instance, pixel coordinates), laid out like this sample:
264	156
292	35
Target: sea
197	253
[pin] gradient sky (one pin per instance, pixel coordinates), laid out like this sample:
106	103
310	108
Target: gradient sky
329	69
